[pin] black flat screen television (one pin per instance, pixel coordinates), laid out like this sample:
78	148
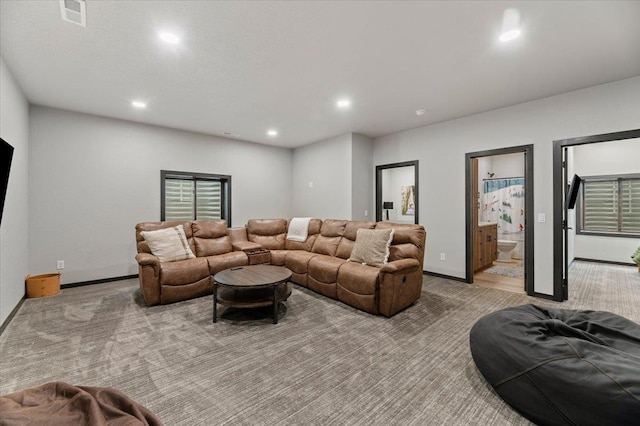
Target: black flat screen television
572	195
6	154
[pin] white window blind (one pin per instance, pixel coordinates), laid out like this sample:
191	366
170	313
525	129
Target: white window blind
611	205
189	196
630	205
208	200
179	200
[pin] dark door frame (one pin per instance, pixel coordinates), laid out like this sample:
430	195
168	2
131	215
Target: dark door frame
379	200
560	276
470	193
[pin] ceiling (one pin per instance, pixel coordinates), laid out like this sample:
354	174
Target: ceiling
245	67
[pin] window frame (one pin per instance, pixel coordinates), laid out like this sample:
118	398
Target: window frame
225	180
580	206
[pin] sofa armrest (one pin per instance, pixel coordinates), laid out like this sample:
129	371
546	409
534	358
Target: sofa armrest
237	233
147	259
245	246
402	266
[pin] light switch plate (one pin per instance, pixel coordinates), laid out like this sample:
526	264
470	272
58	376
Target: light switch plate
542	217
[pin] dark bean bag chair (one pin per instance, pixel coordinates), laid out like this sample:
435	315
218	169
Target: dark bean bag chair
61	404
560	366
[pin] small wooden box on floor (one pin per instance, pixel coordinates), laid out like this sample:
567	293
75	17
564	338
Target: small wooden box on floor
43	285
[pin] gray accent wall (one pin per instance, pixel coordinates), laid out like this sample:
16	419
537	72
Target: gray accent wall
14	231
362	178
441	149
322	179
333	178
93	178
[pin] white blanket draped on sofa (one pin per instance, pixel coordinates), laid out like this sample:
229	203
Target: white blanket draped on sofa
298	229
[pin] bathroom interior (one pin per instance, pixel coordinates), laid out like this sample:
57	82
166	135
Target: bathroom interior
498	250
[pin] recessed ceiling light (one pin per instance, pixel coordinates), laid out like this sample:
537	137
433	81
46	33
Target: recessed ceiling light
272	132
343	103
169	38
510	35
138	104
420	111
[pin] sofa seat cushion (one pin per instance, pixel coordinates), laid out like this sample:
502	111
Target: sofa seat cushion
183	271
225	261
298	261
325	268
358	278
357	286
278	257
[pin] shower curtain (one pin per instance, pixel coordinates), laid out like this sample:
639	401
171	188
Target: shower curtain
503	203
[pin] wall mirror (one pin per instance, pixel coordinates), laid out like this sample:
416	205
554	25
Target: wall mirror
397	192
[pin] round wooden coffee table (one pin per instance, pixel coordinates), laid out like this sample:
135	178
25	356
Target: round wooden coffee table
251	287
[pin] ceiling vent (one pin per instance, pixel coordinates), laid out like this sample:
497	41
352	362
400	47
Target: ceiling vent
74	11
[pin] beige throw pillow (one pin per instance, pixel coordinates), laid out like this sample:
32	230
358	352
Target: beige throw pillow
169	244
372	246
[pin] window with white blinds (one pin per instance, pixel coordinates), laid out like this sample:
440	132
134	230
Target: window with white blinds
611	205
189	196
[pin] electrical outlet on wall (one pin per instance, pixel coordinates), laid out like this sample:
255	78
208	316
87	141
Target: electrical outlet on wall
60	264
366	213
443	256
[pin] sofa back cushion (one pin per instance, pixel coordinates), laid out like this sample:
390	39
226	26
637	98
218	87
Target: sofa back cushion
314	230
211	237
330	235
269	233
349	237
408	241
143	247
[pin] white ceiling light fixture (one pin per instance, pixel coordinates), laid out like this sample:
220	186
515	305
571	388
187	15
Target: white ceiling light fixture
420	111
168	37
510	25
74	11
139	104
343	103
272	132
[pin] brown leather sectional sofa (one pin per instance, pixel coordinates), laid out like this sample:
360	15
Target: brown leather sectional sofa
320	263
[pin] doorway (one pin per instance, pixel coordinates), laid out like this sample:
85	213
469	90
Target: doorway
561	216
397	192
499	207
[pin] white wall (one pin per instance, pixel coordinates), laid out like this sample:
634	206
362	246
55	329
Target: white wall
362	178
606	158
441	150
327	166
93	178
14	231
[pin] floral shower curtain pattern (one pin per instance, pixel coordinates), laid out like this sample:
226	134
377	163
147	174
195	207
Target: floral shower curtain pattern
503	203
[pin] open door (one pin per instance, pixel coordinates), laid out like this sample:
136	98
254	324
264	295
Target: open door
565	228
560	210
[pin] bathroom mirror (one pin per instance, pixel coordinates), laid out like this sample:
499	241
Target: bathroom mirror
397	192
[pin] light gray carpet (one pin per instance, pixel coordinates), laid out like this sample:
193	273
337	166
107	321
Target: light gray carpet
324	363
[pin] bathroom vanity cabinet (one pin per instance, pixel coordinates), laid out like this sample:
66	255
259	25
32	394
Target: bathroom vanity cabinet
486	249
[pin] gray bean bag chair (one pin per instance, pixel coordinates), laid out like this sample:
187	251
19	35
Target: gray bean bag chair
560	366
